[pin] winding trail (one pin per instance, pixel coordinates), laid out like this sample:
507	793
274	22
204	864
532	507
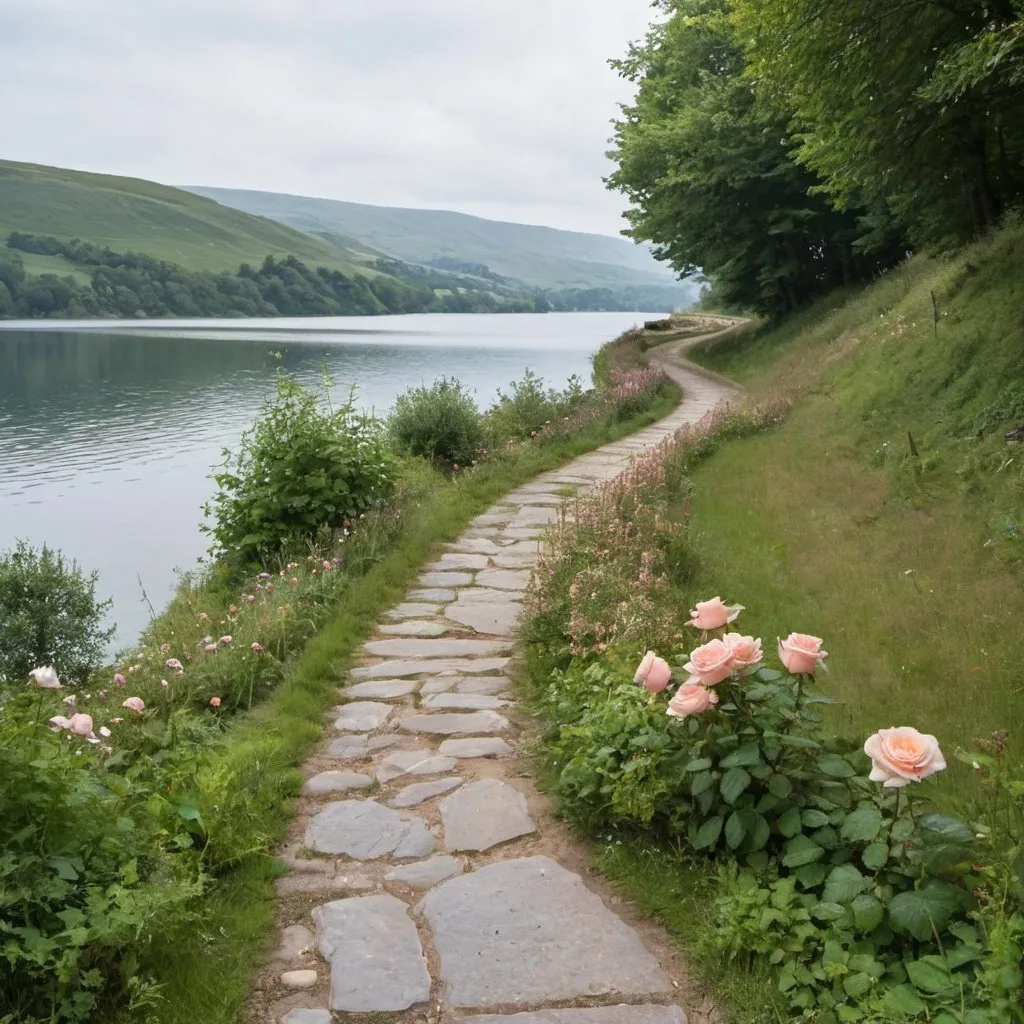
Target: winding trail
428	881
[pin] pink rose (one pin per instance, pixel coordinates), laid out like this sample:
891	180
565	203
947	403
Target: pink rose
746	650
80	725
801	653
713	614
653	673
215	702
710	664
691	699
135	704
902	755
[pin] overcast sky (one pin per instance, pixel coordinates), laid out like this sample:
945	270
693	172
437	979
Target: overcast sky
495	107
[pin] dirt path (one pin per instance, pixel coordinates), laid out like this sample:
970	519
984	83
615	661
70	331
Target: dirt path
428	881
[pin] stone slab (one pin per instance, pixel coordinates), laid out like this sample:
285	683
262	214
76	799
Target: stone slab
414	627
362	716
458	648
377	963
413	762
296	941
474	546
533	515
514	561
415	794
462	702
526	931
484	684
491	617
336	782
595	1015
473	723
413	610
433	594
476	746
458	560
466	666
385	689
438	684
308	1017
503	579
485	595
445	579
366	830
483	814
427	873
523	532
353	748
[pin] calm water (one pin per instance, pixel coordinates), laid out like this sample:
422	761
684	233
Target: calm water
109	431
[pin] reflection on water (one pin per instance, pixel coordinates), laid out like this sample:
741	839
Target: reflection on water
108	432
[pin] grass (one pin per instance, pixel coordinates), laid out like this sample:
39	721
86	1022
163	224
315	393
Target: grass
35	263
145	217
206	969
908	565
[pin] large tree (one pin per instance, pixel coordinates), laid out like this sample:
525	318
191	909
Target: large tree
710	175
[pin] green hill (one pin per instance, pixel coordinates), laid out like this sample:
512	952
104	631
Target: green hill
539	256
142	216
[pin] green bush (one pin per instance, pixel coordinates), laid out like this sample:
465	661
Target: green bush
529	407
302	469
440	423
49	615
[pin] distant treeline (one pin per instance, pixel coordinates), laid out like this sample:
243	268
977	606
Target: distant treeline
131	285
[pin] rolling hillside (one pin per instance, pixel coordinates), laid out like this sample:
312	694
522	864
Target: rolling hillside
539	256
142	216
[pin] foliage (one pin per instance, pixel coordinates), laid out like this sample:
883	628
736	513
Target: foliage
49	615
440	423
529	407
302	469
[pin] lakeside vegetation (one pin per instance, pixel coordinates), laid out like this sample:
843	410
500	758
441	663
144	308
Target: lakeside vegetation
145	892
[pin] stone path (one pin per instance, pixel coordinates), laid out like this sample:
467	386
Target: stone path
422	883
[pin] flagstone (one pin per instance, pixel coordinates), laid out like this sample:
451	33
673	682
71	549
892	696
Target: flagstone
366	830
362	716
454	723
453	648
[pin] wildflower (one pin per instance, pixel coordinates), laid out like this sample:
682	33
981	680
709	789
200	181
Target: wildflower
232	609
269	588
264	576
116	721
225	640
653	673
80	725
45	677
215	702
257	648
210	648
903	755
59	722
713	614
248	598
71	700
164	683
104	732
165	648
119	680
294	581
204	640
691	699
135	704
173	663
101	694
106	750
800	653
327	565
202	617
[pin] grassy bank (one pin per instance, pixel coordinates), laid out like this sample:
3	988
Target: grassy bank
884	515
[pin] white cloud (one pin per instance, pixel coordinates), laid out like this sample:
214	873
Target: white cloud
496	107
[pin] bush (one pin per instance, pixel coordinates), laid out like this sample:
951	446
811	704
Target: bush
530	407
49	615
302	469
440	423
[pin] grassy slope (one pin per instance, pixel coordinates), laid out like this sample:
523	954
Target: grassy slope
538	255
168	223
206	972
908	566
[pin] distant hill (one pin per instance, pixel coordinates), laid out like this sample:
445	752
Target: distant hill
142	216
538	256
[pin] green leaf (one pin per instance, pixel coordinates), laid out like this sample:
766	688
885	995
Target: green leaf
904	1000
836	767
857	985
800	742
733	783
862	825
780	786
735	831
844	883
746	756
708	833
867	912
875	856
826	911
929	974
702	764
814	819
810	875
789	824
919	911
768	675
800	850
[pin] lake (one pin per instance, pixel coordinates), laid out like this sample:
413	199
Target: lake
109	430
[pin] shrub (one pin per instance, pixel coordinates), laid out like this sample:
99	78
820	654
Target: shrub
529	407
49	615
440	423
302	469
